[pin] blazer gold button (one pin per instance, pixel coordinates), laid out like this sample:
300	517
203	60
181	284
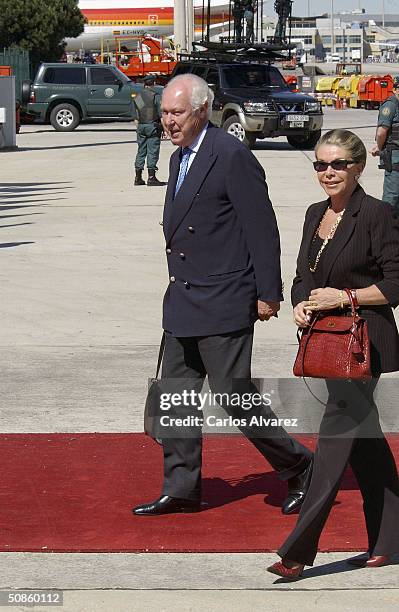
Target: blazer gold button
191	229
182	255
168	251
172	279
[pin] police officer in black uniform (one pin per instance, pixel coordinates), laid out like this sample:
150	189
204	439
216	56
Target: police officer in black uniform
149	131
387	147
249	13
238	14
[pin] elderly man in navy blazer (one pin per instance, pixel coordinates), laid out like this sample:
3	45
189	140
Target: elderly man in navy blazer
223	252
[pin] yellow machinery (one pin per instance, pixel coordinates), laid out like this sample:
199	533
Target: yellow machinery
354	92
344	89
327	86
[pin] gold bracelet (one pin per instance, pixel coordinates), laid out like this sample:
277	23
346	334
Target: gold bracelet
341	297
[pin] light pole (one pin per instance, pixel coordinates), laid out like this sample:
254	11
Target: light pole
190	25
180	25
332	27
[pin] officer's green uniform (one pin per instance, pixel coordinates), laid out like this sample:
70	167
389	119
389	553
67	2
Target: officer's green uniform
148	109
389	117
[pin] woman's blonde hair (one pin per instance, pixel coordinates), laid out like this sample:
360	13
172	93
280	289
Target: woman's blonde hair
346	140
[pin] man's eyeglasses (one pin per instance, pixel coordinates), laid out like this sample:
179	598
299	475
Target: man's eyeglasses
336	164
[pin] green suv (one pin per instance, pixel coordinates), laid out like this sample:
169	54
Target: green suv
66	94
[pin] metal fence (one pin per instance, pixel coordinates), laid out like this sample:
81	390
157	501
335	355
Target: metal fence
18	59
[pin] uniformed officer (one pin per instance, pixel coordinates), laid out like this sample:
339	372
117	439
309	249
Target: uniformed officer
387	147
149	130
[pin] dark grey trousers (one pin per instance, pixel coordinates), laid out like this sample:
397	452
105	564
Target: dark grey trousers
225	358
350	431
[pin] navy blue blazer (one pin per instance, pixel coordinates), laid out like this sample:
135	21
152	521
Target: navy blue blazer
222	240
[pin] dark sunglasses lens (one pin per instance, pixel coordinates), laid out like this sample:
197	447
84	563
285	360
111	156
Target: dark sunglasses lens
339	164
336	164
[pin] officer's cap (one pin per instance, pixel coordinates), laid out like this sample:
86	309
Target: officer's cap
396	82
150	78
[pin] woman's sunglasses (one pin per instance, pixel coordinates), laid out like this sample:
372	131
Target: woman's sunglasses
336	164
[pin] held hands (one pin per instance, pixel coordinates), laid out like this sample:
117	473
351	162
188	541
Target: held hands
319	299
267	309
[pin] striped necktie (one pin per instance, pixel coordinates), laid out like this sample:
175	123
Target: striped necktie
186	152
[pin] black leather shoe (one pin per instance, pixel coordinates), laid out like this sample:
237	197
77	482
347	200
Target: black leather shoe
167	505
297	489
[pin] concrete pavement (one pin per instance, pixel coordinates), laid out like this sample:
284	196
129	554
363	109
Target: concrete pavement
82	276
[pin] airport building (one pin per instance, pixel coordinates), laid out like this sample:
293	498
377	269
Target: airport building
347	37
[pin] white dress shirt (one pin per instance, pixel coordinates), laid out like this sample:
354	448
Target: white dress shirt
196	145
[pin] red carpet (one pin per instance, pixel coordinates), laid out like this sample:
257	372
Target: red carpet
74	492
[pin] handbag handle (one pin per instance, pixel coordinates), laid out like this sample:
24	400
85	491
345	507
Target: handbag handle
354	304
298	335
357	345
160	355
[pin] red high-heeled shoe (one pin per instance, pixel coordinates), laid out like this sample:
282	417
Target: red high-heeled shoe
288	573
373	561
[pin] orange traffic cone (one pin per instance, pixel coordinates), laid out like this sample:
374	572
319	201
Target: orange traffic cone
337	103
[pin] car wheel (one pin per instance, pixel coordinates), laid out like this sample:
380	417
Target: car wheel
233	126
64	117
304	142
25	92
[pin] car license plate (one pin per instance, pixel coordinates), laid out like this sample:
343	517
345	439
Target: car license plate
296	124
297	118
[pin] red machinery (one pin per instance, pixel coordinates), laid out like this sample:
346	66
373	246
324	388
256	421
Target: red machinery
7	71
149	58
289	64
373	90
293	81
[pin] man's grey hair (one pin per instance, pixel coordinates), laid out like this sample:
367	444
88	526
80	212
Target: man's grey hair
200	92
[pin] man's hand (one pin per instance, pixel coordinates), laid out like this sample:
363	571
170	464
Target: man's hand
375	151
267	309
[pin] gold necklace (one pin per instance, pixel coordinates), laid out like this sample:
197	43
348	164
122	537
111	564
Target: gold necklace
326	239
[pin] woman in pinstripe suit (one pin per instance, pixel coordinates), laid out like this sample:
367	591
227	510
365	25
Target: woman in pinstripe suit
349	240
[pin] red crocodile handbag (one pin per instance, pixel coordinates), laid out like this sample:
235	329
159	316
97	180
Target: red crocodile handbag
335	346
